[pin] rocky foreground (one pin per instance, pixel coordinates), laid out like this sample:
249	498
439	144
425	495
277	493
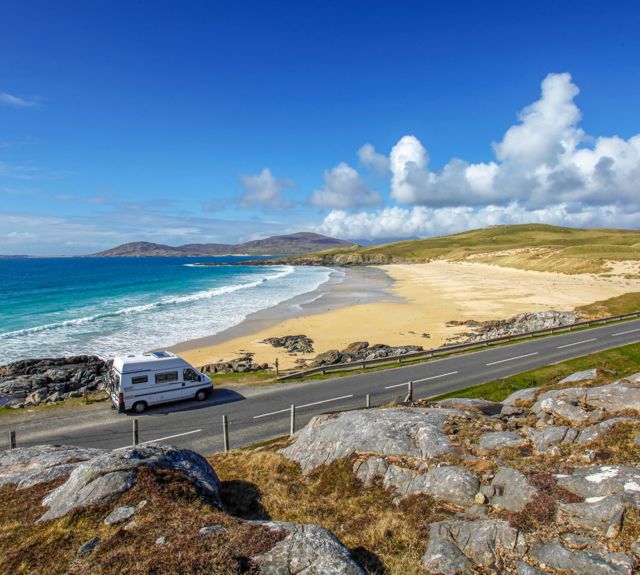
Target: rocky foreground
547	481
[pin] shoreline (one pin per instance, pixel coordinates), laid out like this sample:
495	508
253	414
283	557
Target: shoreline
345	287
402	304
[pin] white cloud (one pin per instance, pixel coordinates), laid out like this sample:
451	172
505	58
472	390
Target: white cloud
421	221
264	190
545	159
344	188
369	157
17	102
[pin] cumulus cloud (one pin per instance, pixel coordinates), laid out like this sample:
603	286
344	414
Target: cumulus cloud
264	190
369	157
17	102
422	221
344	188
544	159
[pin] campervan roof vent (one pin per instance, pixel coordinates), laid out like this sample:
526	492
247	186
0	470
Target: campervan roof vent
160	354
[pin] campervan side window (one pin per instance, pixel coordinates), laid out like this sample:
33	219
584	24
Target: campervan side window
190	375
167	377
139	379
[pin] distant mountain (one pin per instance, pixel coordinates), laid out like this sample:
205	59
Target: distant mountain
292	244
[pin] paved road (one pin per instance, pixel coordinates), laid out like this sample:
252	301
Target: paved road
260	413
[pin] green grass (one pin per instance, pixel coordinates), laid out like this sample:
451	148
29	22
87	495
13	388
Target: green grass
73	402
625	303
614	363
539	247
262	377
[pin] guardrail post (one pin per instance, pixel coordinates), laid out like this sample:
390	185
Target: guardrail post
367	401
225	433
12	440
135	432
363	366
292	423
409	391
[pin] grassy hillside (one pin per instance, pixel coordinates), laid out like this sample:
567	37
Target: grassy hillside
527	246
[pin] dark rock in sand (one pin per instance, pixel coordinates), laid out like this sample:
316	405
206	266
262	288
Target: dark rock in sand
292	343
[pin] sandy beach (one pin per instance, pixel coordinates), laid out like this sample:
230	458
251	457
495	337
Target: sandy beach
403	304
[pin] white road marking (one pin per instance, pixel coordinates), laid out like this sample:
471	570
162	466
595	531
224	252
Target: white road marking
434	377
271	413
512	358
303	405
324	401
420	380
160	439
576	343
625	332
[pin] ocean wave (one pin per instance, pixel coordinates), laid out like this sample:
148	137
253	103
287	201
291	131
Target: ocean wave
164	302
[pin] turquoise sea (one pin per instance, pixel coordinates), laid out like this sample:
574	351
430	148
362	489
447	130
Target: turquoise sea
60	306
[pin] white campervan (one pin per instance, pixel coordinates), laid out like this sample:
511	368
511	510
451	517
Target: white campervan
137	381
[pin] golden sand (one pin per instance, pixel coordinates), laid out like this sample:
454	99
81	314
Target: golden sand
432	294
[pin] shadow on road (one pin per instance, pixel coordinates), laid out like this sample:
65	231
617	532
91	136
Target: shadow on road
219	397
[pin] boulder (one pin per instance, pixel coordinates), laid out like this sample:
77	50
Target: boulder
90	546
305	549
601	429
587	562
548	437
464	403
455	545
586	375
292	343
370	469
512	490
451	483
408	431
119	515
28	466
601	481
589	405
526	569
600	515
212	530
109	475
500	439
522	396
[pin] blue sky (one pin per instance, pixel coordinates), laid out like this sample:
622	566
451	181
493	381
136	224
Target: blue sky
226	121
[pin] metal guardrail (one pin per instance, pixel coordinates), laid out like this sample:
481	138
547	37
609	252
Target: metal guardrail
448	349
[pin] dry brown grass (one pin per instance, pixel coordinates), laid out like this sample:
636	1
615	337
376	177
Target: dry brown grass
174	510
384	538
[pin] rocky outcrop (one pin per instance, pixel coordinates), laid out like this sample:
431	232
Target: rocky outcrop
29	466
511	490
457	546
588	405
410	431
601	481
495	440
305	550
589	562
292	343
450	483
482	406
242	364
38	381
359	351
518	324
109	475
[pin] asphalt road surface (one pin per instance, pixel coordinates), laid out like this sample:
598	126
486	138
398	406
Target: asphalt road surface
260	413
